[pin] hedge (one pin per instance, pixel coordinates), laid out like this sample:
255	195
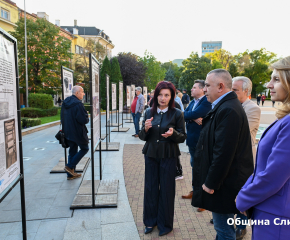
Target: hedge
87	107
38	112
40	100
30	122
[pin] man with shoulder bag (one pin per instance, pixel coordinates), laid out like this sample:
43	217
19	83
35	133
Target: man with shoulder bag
74	118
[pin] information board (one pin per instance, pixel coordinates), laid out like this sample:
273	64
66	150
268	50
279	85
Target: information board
108	96
114	96
120	97
9	134
95	91
128	96
145	94
67	82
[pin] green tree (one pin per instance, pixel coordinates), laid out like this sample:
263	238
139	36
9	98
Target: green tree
233	70
193	68
116	75
154	72
174	67
47	51
221	56
257	67
106	69
169	76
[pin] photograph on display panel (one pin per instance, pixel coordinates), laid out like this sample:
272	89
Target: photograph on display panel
132	93
128	96
145	94
9	132
67	84
120	97
96	100
114	96
108	97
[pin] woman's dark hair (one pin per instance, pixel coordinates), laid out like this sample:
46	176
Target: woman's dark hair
163	85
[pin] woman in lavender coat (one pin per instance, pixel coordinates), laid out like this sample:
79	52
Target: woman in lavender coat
268	189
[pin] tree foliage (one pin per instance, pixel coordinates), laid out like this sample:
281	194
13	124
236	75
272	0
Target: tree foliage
169	76
220	58
174	67
154	72
193	68
132	70
47	51
116	75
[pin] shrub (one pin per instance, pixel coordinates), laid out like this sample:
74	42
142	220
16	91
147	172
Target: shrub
30	122
87	107
38	112
40	100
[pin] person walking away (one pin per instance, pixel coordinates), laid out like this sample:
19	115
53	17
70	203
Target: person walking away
267	192
185	99
74	118
242	86
59	101
163	129
137	108
273	103
263	98
258	99
223	158
193	115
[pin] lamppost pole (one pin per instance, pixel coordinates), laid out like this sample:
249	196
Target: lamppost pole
26	65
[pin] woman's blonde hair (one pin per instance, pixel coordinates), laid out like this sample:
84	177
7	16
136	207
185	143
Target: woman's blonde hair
283	68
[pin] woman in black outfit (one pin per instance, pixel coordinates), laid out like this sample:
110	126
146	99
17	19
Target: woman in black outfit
163	128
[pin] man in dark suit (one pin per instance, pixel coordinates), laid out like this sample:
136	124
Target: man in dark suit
193	116
223	160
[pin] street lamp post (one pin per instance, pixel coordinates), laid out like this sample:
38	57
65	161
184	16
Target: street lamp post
26	65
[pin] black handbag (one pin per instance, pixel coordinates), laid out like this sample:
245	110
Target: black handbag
60	137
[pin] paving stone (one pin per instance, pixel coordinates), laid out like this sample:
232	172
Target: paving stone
86	187
61	164
51	229
109	200
120	129
108	187
112	146
120	231
82	201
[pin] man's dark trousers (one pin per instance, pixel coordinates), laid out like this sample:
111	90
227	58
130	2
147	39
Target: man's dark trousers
74	156
136	120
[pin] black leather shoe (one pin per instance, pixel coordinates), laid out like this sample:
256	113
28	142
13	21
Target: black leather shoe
211	221
240	233
148	230
162	233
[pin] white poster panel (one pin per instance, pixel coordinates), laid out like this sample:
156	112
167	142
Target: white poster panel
145	94
132	93
114	96
108	97
128	96
9	143
67	84
96	99
120	97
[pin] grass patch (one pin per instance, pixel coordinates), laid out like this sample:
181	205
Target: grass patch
51	118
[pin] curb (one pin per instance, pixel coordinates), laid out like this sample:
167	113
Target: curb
39	127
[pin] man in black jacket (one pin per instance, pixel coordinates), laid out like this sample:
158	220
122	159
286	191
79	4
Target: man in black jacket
185	99
74	118
223	159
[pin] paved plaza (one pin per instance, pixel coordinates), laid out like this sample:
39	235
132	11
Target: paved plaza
49	196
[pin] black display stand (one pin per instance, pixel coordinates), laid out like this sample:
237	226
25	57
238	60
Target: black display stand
20	177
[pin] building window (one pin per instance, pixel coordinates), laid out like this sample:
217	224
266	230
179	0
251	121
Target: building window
77	49
5	14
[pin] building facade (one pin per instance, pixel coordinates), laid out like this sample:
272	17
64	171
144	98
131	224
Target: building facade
209	47
9	15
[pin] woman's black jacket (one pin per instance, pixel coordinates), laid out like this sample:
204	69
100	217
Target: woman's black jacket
157	146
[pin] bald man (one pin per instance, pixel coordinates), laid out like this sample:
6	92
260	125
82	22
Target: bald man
223	159
74	118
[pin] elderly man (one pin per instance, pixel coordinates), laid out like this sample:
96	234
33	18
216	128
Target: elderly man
223	159
74	118
137	108
242	86
193	115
